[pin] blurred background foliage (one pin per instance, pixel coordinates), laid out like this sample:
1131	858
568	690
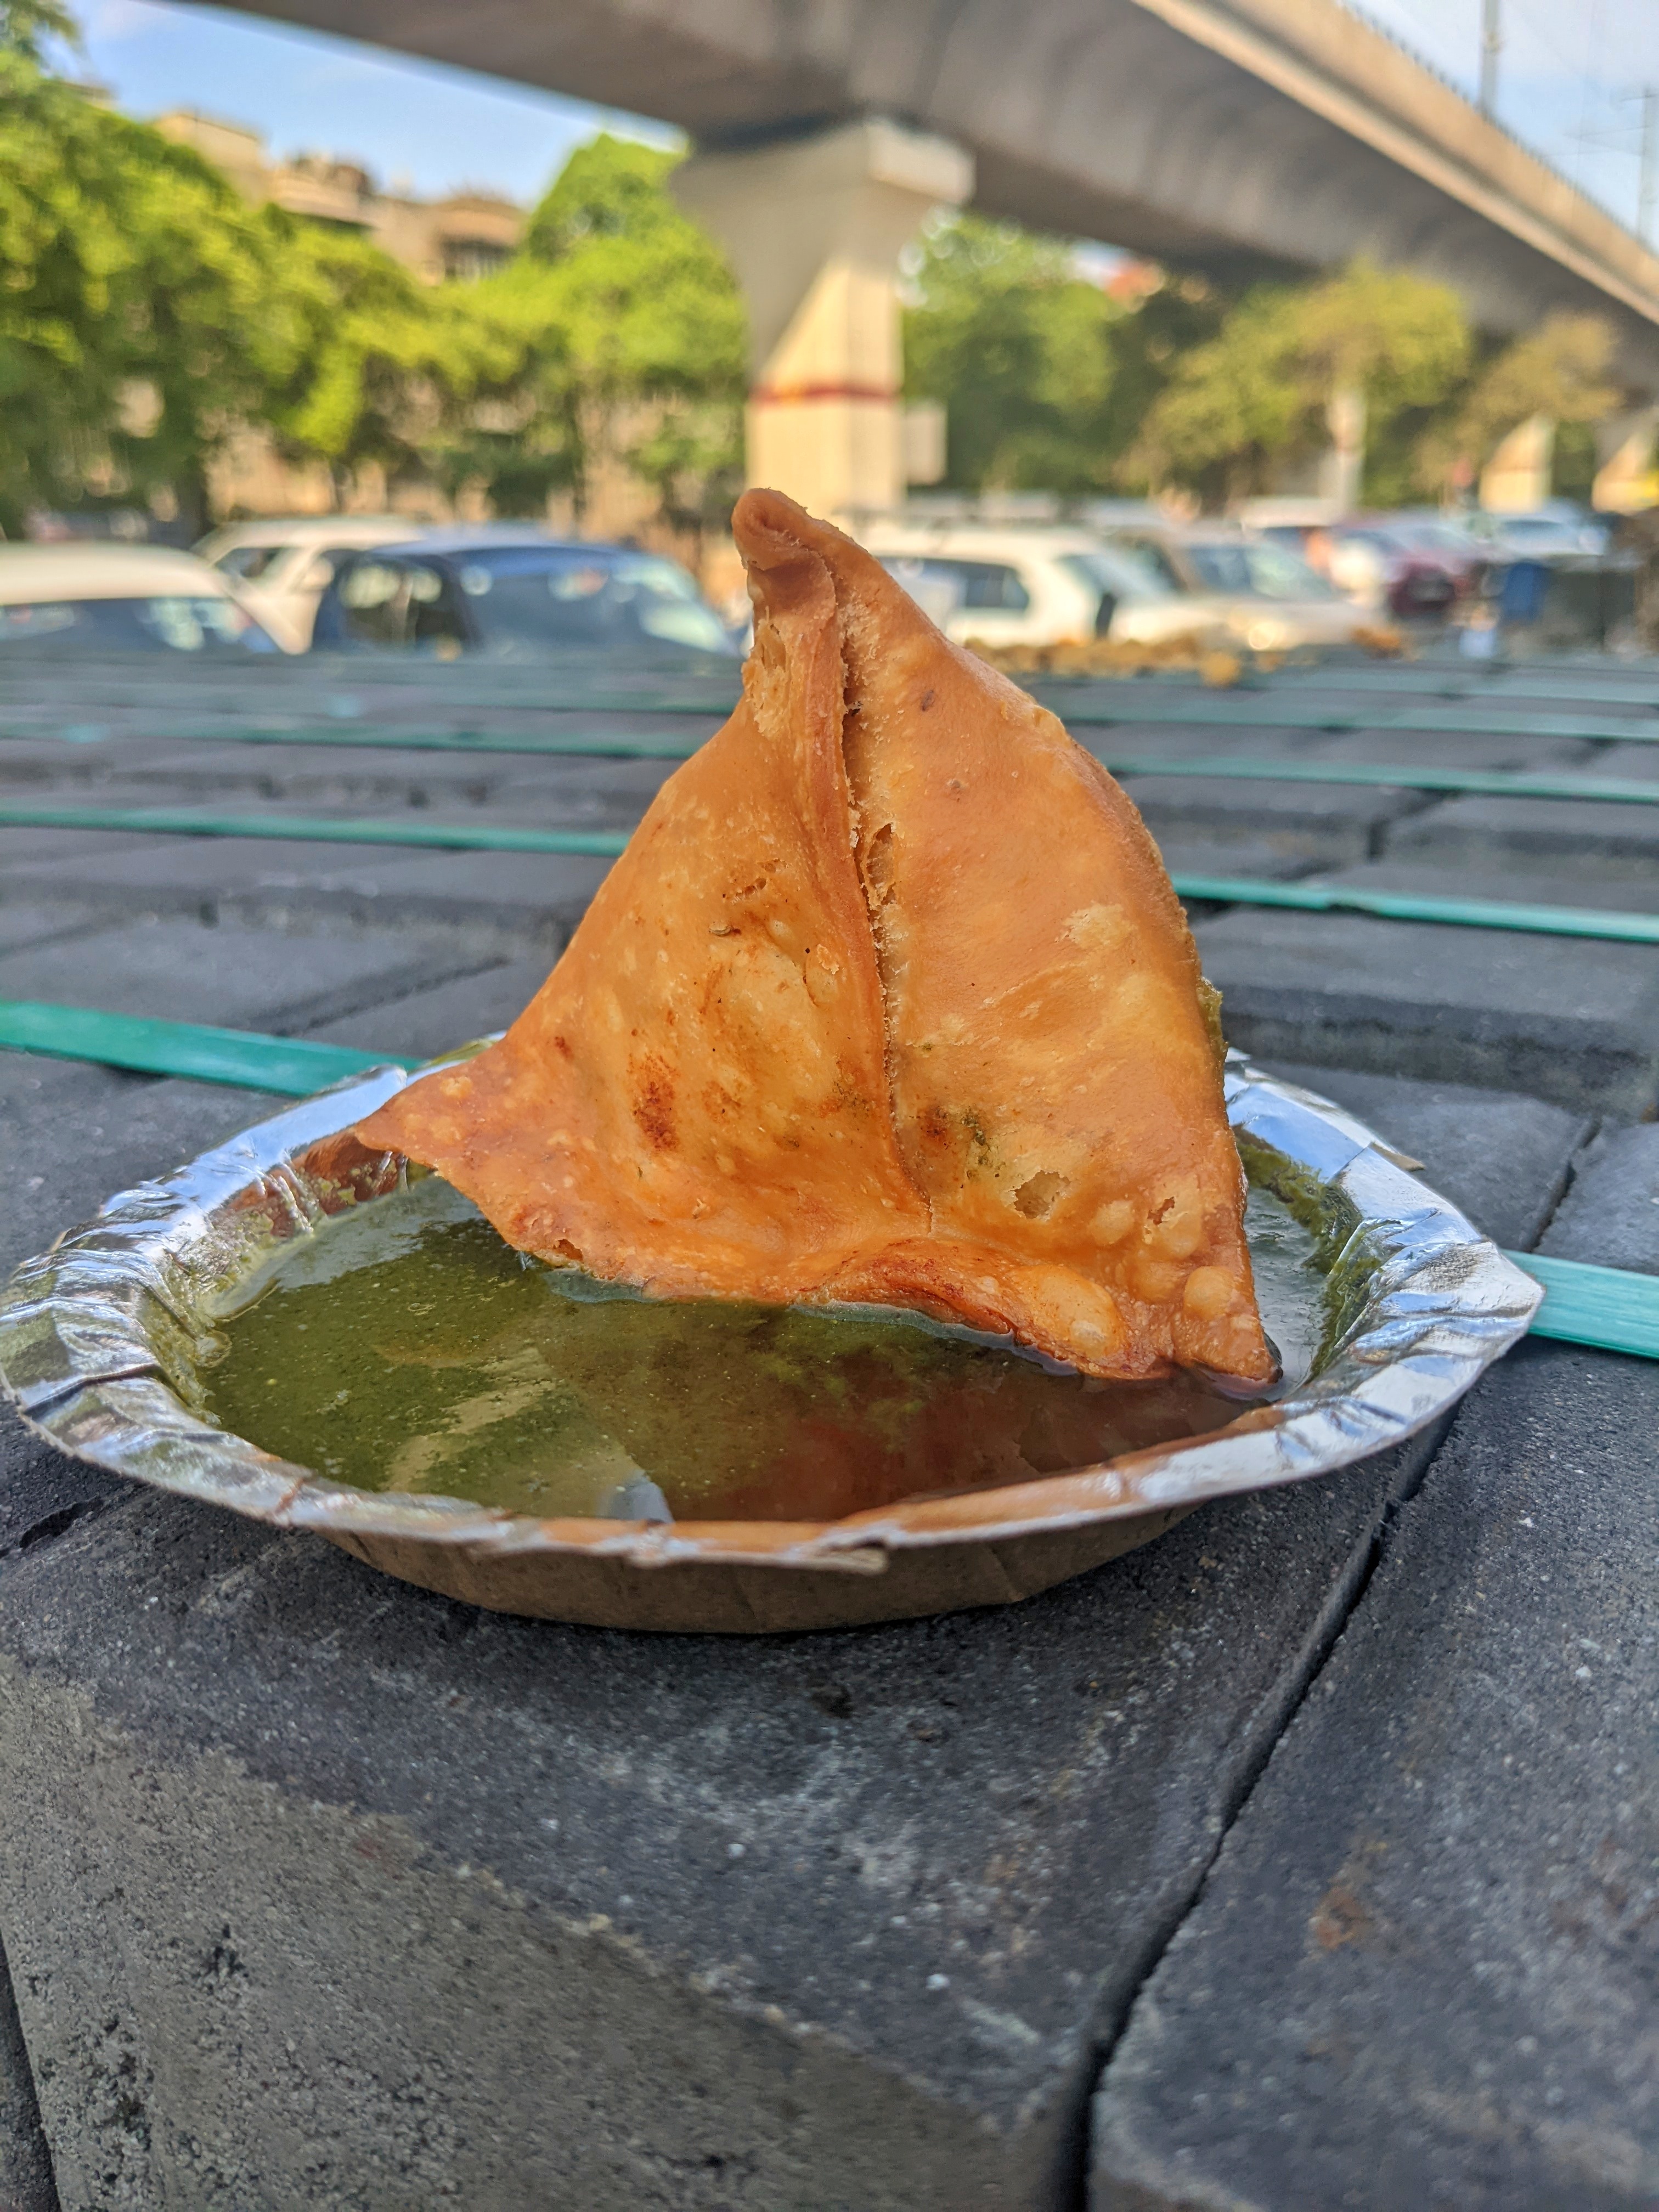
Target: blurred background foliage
148	316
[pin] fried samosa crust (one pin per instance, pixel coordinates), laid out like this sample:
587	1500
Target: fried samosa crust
889	999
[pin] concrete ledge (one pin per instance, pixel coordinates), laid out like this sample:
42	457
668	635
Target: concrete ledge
1502	1010
1419	1974
346	1896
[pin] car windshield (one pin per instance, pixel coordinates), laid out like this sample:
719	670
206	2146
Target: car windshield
1120	570
1263	570
942	586
1147	553
529	597
517	600
175	623
1434	538
1535	530
249	561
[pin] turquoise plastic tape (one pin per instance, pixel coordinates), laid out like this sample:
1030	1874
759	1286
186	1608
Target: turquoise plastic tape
1608	1307
1406	906
317	828
294	1066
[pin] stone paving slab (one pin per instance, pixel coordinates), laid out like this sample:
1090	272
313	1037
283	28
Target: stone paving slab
25	2183
1198	741
1323	824
1482	750
1502	1158
1641	762
315	1861
279	884
1611	1213
70	1135
347	1895
429	1022
1254	858
232	976
1548	1016
1535	886
310	775
22	925
1420	1977
1599	838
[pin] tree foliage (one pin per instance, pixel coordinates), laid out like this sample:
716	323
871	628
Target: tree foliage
1018	349
137	322
149	315
1256	394
634	330
1558	370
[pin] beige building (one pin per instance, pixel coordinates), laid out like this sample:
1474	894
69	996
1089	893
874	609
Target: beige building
463	236
460	238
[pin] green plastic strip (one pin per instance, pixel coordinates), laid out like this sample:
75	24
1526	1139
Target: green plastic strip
317	828
1394	776
1608	1307
606	844
291	1065
1265	711
1405	906
595	744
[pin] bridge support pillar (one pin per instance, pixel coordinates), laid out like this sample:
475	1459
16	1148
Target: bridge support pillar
814	229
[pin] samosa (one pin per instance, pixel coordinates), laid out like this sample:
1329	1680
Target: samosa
889	999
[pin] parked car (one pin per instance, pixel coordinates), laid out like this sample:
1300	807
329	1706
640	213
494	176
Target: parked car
1035	584
1386	567
514	594
1409	562
1448	540
1559	527
282	566
1272	600
94	596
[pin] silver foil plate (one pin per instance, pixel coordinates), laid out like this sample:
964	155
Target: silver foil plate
102	1338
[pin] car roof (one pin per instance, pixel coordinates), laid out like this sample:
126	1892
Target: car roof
313	529
480	537
986	540
93	569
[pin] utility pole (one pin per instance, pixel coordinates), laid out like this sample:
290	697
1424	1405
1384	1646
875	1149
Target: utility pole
1492	42
1646	180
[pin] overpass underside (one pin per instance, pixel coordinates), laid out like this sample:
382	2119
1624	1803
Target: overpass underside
1228	132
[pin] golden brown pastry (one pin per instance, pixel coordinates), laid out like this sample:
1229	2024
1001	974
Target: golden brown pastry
890	1000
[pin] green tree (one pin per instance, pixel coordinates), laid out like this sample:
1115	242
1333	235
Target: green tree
1256	395
26	25
630	334
138	318
384	368
1559	371
1018	349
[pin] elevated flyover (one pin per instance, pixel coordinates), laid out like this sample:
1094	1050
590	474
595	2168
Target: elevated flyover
1240	133
1217	129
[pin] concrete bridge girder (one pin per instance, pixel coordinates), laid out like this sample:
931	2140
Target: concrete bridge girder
1249	133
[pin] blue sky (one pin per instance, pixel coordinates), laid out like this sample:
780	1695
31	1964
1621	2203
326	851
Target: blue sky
1567	68
436	128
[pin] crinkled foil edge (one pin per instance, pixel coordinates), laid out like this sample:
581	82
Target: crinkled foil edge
90	1331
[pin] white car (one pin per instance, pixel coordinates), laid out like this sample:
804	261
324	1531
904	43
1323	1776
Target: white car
94	596
281	566
1036	585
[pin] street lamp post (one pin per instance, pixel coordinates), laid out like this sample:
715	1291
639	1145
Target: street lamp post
1492	42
